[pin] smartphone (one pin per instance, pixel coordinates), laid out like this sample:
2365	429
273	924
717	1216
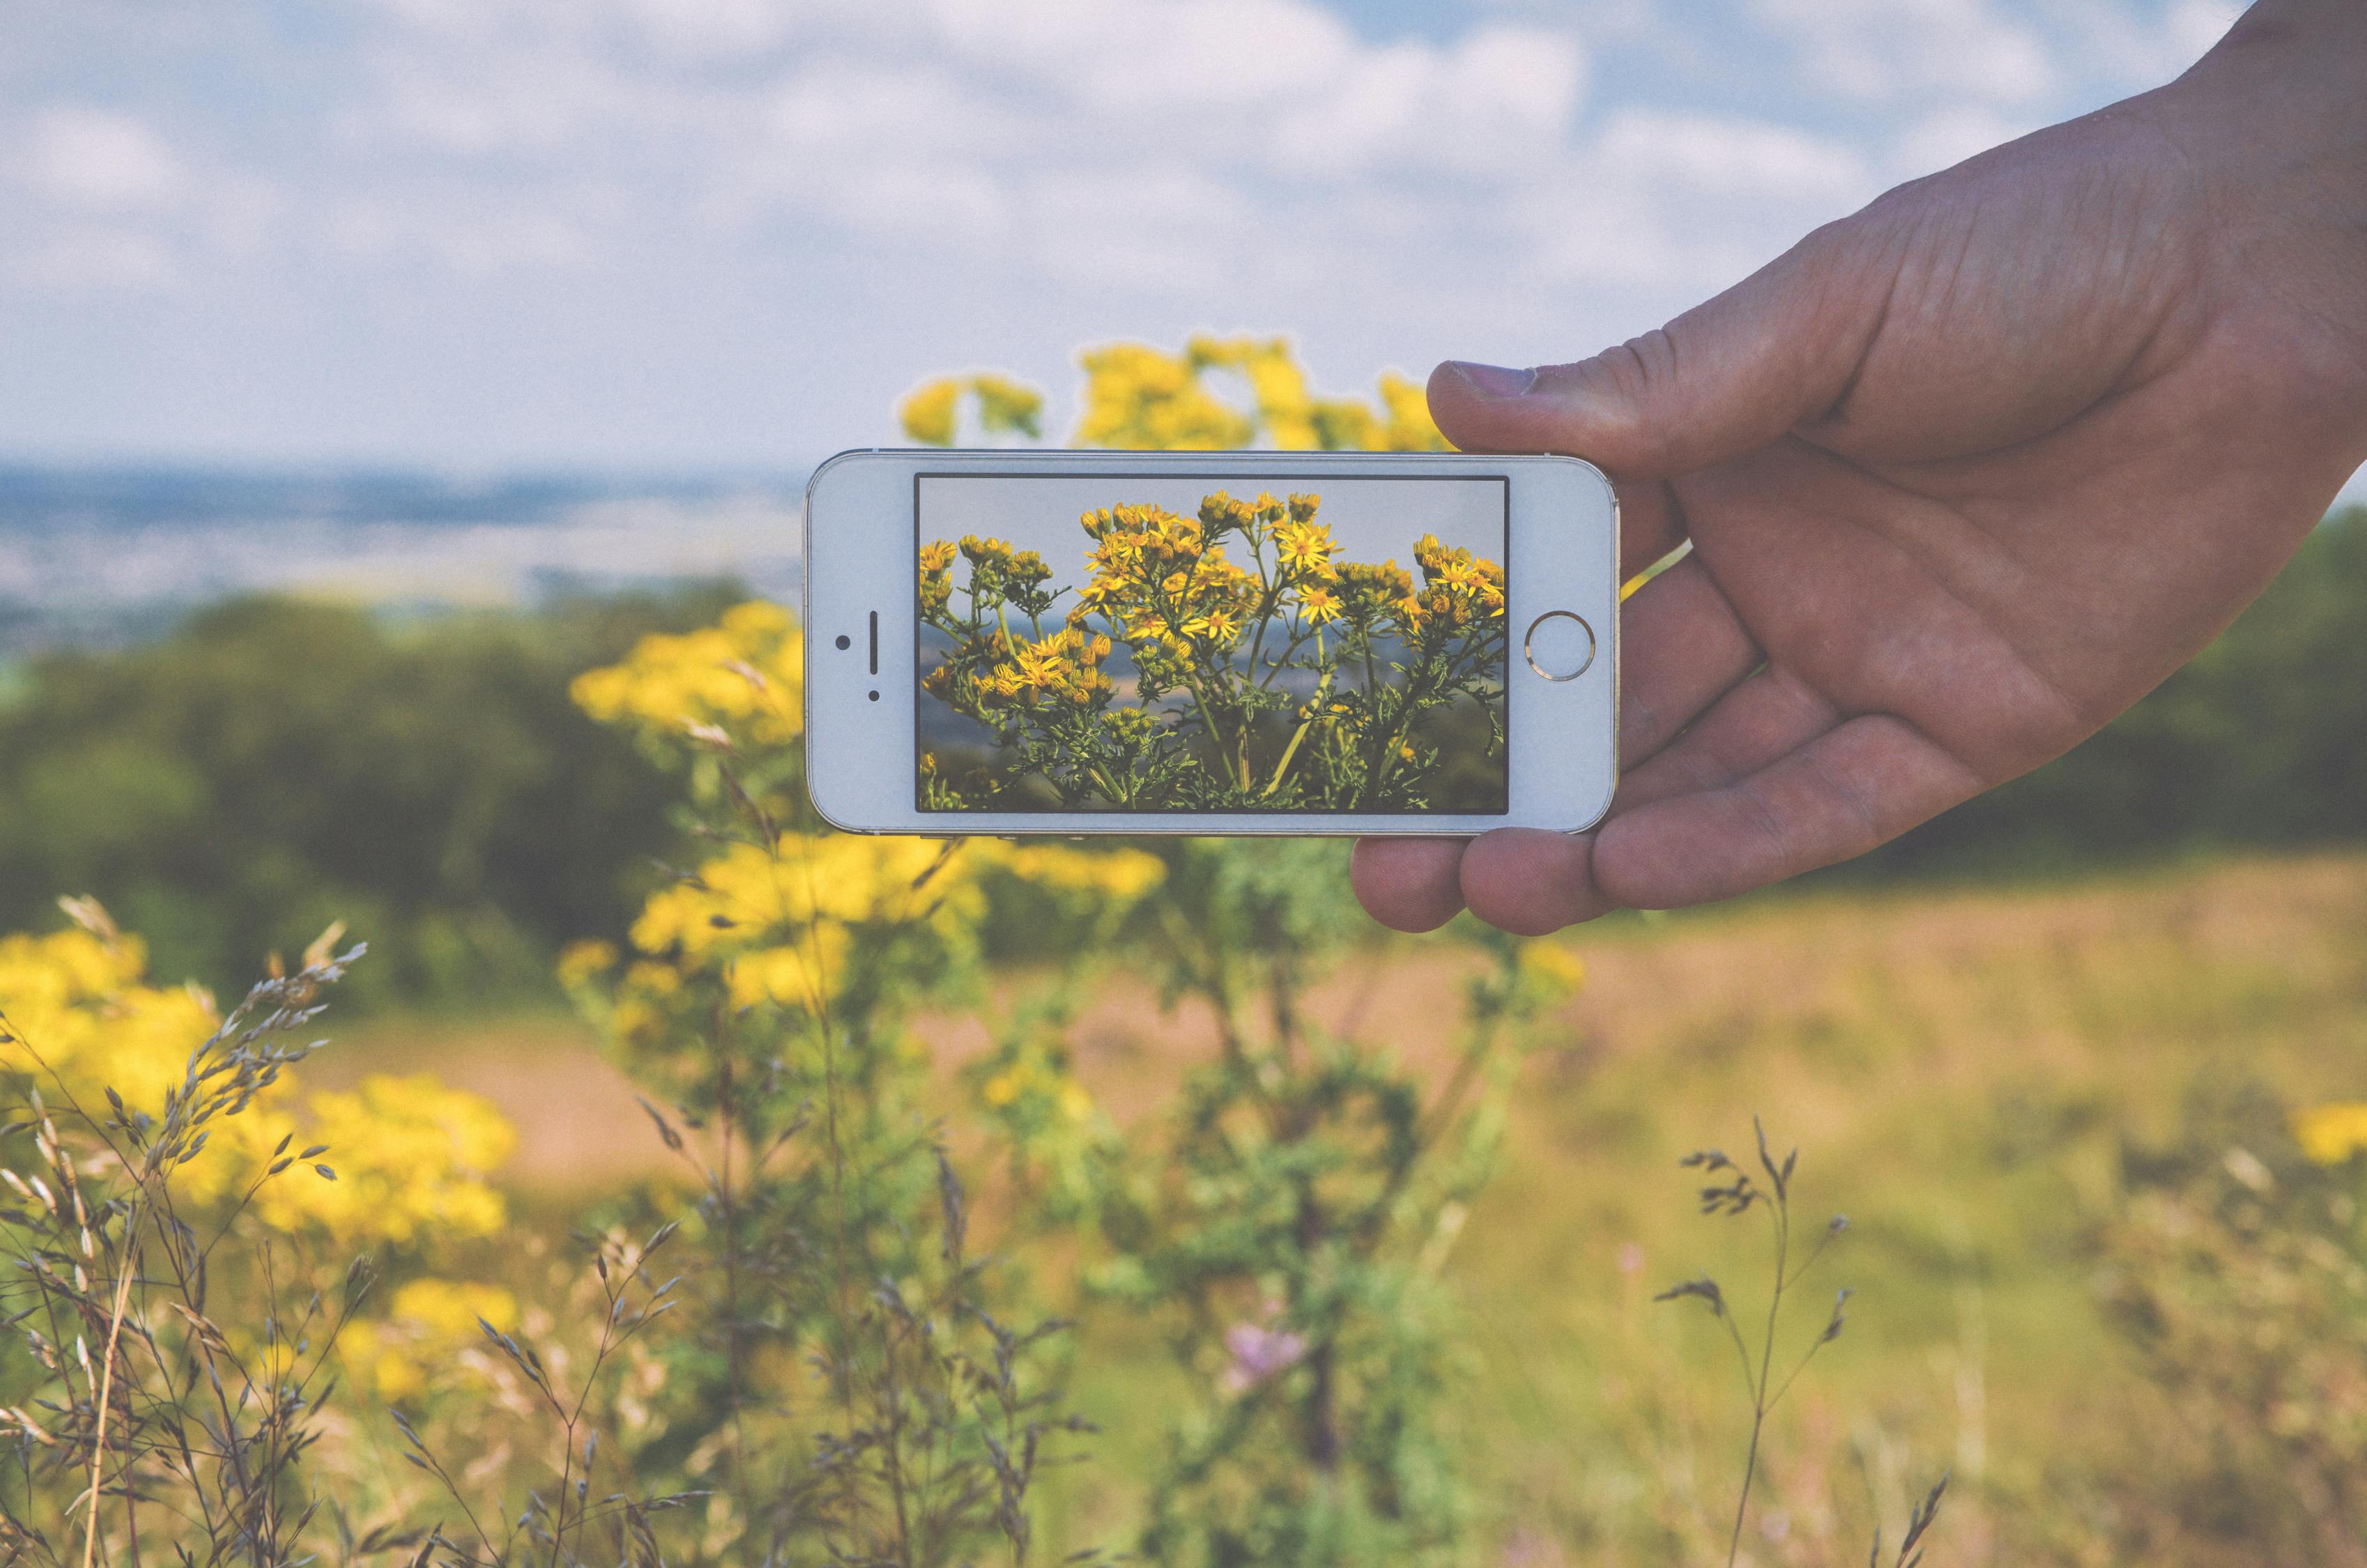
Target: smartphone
1212	643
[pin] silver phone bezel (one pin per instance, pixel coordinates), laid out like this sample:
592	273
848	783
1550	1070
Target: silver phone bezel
860	552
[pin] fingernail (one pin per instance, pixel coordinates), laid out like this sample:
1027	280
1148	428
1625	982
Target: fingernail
1494	380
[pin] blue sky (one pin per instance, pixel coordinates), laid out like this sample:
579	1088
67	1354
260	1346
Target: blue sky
684	233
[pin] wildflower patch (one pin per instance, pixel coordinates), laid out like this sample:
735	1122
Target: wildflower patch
1209	653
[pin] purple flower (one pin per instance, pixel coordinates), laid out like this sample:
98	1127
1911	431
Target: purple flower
1259	1353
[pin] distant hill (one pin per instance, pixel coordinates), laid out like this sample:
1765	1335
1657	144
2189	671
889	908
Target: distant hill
102	556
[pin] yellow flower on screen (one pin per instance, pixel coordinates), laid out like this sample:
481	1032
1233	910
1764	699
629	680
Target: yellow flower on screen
1304	547
1218	624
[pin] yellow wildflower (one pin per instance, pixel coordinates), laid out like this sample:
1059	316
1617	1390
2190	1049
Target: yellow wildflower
585	961
2330	1134
427	1327
744	675
1550	969
410	1155
1304	547
927	412
1218	624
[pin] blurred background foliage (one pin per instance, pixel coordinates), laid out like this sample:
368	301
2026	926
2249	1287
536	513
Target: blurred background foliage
271	765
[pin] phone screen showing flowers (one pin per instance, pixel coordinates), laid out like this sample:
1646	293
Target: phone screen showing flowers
1173	643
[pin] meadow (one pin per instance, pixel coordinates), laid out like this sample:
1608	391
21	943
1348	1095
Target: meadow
1982	1079
682	1182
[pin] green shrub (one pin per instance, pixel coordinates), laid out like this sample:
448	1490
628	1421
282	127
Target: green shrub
274	764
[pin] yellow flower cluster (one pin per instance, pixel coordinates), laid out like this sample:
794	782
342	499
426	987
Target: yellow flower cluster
1160	583
411	1154
744	675
777	922
931	412
1406	426
1032	1078
2330	1134
1118	877
1459	590
1163	578
1063	667
428	1326
1141	398
779	925
79	998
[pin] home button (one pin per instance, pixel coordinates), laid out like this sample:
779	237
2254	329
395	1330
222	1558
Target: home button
1561	646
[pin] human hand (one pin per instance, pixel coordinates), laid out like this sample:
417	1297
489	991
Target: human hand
1965	475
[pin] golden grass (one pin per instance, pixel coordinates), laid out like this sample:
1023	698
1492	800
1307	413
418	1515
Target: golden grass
1961	1069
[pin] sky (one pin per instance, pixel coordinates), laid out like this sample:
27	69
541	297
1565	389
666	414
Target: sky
1370	520
704	234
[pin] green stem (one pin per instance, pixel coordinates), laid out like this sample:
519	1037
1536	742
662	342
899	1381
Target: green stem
1766	1362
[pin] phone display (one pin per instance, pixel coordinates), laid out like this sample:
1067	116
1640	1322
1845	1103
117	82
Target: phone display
1208	643
1038	642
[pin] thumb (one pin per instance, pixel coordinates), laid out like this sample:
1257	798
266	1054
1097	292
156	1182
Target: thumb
1726	378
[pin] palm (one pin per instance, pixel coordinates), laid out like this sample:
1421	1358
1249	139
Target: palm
1968	474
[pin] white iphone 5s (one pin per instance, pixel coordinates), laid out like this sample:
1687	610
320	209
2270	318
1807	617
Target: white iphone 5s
1215	643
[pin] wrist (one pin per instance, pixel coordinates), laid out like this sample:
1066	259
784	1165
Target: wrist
2270	125
2276	106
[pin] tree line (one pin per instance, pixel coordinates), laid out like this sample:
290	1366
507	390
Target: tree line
273	763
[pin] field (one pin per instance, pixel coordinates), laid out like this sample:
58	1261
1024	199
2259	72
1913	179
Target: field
1966	1072
1365	1263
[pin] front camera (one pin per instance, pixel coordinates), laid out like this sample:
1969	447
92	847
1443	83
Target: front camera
875	696
844	642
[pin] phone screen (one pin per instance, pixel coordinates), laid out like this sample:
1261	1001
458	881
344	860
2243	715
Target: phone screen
1169	643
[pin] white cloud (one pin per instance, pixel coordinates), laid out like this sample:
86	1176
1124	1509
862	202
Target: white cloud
1722	156
895	183
847	107
537	101
1156	57
102	200
1147	144
1898	50
1949	136
2138	48
95	159
1488	105
1689	202
2193	26
77	258
710	30
455	228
